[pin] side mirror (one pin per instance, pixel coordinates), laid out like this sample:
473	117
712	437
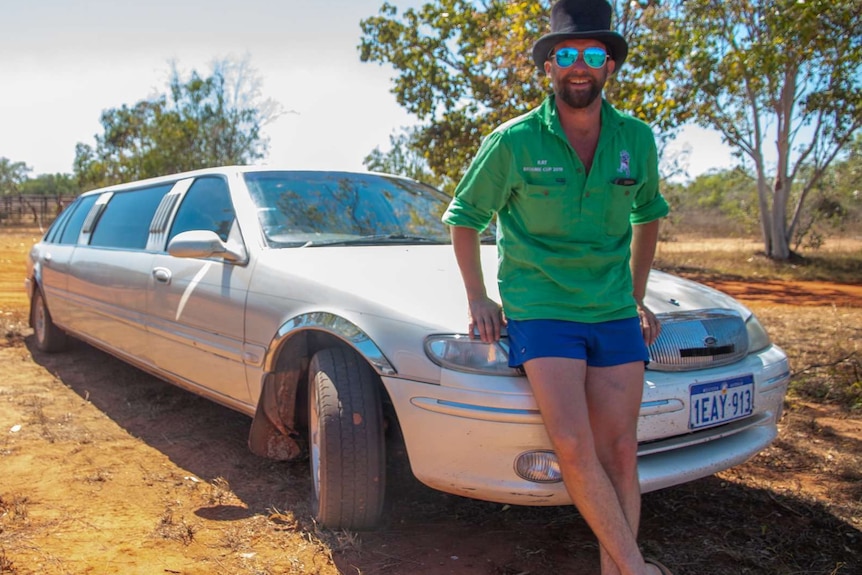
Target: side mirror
203	244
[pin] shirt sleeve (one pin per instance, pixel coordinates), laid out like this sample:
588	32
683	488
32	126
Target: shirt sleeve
649	204
485	187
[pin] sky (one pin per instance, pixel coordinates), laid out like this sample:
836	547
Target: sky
62	62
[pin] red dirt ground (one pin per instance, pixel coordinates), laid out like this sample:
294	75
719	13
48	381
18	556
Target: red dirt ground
105	470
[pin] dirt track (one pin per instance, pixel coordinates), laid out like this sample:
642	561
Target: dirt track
801	293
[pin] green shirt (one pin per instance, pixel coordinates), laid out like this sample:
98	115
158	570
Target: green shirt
563	236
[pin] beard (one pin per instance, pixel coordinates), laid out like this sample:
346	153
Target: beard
577	97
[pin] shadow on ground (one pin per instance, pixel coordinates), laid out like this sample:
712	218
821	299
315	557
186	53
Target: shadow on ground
708	527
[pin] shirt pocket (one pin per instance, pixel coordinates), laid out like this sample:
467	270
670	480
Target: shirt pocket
618	208
547	209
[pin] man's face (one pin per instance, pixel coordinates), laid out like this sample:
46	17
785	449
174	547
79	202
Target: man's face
578	85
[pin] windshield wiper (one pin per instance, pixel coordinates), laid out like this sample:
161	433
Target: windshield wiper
377	239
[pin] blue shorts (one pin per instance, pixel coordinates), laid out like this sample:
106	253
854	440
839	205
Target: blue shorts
600	344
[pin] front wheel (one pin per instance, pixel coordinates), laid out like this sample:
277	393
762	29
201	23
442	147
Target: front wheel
49	337
346	446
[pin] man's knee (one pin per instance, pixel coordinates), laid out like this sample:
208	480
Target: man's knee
575	449
619	455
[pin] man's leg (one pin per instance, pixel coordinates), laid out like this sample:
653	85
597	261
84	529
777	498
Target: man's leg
560	388
613	398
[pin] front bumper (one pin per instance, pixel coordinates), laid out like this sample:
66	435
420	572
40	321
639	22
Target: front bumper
464	435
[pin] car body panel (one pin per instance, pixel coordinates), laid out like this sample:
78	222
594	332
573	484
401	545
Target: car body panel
106	298
195	318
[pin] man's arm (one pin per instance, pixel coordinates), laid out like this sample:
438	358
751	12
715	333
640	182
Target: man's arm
485	313
644	240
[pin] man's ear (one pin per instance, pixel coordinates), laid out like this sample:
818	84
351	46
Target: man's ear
548	68
612	66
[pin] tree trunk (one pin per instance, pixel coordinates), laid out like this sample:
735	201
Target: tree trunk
765	220
780	241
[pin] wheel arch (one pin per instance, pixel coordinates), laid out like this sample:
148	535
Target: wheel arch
341	329
276	430
33	285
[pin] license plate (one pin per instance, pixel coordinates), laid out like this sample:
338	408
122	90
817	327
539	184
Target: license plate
721	401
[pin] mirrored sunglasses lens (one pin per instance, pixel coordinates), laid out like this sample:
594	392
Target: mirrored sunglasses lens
566	57
595	57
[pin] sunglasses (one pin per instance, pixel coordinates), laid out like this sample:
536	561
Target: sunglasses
594	57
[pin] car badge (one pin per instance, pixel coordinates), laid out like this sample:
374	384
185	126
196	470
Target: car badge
710	341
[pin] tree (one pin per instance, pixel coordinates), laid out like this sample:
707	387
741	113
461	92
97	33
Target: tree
403	159
55	185
835	202
465	67
12	175
201	121
786	71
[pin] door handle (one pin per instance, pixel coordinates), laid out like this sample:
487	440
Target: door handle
162	275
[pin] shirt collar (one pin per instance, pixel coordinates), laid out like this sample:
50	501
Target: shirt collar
612	119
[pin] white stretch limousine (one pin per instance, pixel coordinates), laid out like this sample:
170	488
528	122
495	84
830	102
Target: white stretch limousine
329	308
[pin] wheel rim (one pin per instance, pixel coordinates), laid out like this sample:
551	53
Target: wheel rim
314	440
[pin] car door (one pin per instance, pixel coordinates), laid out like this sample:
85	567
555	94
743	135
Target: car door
110	270
196	305
55	257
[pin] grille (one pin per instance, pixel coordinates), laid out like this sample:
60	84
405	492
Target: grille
698	339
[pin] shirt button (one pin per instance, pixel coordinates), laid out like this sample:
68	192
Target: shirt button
587	195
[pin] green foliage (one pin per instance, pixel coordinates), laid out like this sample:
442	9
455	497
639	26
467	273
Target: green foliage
834	205
12	175
450	75
465	67
764	71
403	159
51	185
758	71
203	121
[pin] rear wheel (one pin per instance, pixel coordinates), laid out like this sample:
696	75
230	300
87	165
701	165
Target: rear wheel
346	445
49	337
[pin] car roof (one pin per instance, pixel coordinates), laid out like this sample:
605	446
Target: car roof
228	171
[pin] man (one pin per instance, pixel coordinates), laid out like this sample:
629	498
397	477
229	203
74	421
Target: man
574	185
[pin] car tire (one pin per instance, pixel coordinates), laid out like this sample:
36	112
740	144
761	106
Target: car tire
345	440
49	337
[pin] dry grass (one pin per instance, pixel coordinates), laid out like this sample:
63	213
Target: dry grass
838	260
825	347
176	530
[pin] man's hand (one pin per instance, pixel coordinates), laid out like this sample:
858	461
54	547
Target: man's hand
650	325
486	319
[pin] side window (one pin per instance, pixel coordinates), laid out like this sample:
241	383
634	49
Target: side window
206	206
56	228
125	223
76	219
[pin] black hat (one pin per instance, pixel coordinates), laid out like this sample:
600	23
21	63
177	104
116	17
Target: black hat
581	19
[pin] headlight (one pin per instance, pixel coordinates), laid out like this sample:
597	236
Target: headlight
757	337
461	353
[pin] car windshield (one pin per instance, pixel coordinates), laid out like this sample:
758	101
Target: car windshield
307	209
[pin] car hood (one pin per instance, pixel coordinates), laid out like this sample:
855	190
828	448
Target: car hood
422	284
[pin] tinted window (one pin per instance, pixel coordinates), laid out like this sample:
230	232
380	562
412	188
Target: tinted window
57	227
206	206
125	223
79	212
315	206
